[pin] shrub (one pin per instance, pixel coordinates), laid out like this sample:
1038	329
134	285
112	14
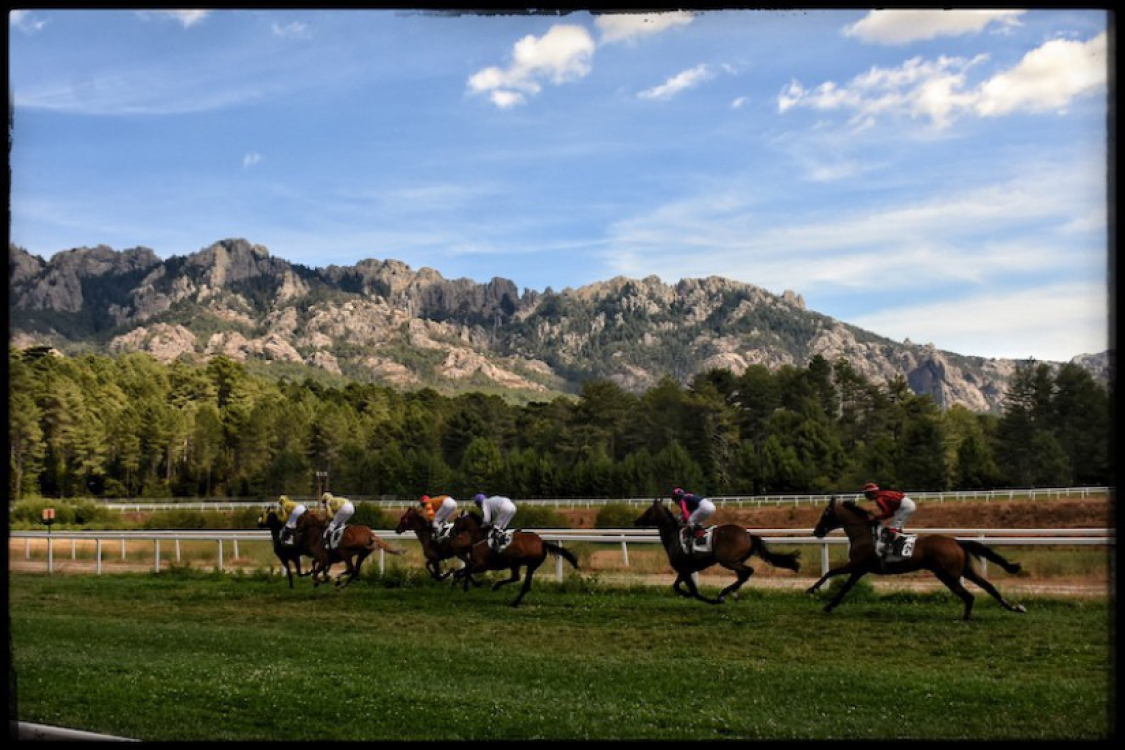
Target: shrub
367	514
616	516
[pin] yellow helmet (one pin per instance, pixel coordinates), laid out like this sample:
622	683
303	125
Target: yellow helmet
284	499
327	497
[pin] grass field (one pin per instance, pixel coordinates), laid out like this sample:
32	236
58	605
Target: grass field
189	655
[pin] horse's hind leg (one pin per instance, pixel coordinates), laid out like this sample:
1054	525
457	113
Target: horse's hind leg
515	576
979	580
845	568
526	583
743	571
953	583
687	579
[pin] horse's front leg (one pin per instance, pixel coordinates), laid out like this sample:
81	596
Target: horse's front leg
845	568
514	577
694	590
855	576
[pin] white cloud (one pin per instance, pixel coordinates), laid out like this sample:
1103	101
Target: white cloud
1049	77
251	158
186	18
900	26
629	26
1054	322
561	55
677	83
25	21
294	30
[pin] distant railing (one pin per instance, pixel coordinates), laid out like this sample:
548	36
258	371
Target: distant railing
622	537
1036	494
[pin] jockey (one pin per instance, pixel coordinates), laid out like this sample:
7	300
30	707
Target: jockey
340	508
445	507
694	510
288	512
497	511
892	509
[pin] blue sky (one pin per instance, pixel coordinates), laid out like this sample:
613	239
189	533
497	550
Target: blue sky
938	176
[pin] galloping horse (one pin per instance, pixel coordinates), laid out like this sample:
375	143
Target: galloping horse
356	543
286	553
947	558
527	550
731	546
434	551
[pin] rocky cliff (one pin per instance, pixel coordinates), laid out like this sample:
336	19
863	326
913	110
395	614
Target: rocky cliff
385	322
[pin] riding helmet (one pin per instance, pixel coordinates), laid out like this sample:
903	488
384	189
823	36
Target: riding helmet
425	499
479	498
677	493
870	487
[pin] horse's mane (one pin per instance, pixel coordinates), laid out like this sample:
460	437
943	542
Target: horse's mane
858	511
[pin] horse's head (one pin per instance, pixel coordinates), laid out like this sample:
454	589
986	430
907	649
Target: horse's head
409	520
653	514
839	514
268	518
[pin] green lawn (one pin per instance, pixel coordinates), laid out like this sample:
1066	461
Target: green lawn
186	655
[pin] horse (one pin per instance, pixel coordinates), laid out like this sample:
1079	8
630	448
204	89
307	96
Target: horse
355	545
434	551
288	554
947	558
731	546
527	550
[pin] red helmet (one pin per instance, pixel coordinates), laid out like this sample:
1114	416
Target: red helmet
425	499
870	487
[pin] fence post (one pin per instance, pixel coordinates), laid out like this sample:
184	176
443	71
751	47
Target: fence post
823	557
558	565
156	555
50	554
382	561
220	555
98	546
625	552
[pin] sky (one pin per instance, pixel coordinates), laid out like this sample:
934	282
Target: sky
928	175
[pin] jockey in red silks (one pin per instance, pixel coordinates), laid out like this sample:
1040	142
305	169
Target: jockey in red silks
892	510
694	510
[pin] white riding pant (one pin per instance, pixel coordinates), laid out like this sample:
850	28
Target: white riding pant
500	514
346	511
297	513
445	510
705	510
902	515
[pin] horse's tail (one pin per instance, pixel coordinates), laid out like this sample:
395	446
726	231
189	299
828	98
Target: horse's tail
787	560
376	542
562	552
976	549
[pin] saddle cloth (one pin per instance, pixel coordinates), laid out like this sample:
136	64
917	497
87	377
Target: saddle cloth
689	545
901	547
334	539
504	539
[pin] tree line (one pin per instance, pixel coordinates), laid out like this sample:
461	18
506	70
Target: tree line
129	426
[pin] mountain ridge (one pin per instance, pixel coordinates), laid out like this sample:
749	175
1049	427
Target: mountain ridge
382	321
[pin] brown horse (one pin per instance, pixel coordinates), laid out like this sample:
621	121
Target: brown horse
288	554
356	544
731	546
947	558
435	551
527	550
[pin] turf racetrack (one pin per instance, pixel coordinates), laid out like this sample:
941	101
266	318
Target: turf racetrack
185	655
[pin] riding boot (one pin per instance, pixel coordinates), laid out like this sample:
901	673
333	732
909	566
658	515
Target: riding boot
285	536
700	535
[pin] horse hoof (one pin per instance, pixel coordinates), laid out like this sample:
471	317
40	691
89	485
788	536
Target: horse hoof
1020	608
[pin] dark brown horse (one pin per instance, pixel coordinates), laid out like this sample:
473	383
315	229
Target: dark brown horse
947	558
356	544
288	554
434	550
527	550
731	546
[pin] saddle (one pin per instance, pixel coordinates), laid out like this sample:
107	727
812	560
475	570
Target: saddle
690	544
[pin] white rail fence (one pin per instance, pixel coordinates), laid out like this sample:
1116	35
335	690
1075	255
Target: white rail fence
1036	494
621	537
